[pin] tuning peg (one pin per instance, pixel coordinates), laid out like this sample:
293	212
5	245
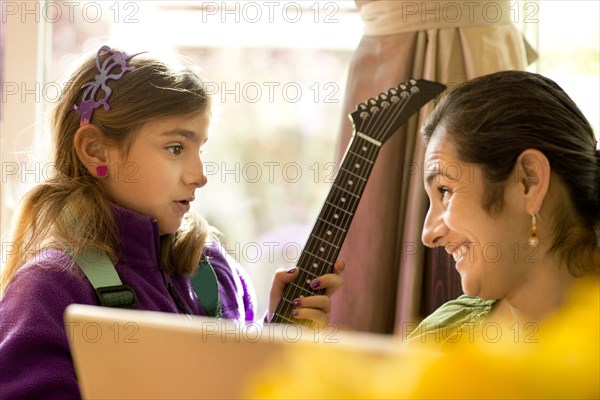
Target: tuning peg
364	115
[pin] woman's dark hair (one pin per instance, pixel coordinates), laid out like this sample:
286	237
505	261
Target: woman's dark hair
494	118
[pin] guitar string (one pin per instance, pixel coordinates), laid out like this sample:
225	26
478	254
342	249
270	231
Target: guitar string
399	107
404	95
402	106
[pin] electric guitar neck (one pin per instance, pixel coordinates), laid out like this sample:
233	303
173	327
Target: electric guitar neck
374	122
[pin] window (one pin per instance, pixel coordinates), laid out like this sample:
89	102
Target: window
277	71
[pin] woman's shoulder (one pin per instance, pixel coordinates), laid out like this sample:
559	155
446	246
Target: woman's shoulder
453	316
463	308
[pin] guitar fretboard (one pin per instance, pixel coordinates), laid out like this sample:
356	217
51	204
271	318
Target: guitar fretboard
325	241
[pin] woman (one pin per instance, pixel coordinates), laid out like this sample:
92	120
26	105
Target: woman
513	177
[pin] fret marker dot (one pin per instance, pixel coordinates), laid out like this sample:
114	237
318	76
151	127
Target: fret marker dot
328	233
335	216
350	183
322	249
315	265
356	165
343	199
308	281
364	148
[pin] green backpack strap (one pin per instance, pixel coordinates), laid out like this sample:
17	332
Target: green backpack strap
103	276
206	286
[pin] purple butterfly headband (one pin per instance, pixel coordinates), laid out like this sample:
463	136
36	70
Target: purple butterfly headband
88	100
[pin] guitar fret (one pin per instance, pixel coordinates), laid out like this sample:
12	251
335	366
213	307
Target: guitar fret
305	270
310	273
331	224
365	148
350	193
358	151
341	195
352	173
317	257
359	156
316	266
322	231
323	252
323	240
321	268
345	171
285	318
342	220
341	199
335	186
293	283
339	208
350	187
343	182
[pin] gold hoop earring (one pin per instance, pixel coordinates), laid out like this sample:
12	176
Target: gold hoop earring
533	239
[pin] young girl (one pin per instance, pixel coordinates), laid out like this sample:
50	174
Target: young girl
128	135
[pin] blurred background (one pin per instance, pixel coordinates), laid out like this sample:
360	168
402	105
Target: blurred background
276	70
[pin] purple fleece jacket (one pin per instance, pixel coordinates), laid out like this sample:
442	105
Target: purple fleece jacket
35	360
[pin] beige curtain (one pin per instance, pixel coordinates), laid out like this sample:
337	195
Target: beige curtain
448	42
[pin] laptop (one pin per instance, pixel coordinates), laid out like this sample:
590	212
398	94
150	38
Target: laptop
127	354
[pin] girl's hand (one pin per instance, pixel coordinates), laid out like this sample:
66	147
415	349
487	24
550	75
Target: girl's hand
314	308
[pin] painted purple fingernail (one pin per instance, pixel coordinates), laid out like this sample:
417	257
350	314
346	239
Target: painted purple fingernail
297	303
315	284
294	312
291	270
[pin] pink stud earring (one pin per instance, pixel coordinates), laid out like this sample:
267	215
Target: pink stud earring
102	170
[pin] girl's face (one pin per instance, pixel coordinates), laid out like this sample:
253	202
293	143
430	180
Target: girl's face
491	253
160	174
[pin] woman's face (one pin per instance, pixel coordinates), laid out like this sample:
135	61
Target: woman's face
491	253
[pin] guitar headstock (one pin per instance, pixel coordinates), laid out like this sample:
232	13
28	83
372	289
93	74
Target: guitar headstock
381	116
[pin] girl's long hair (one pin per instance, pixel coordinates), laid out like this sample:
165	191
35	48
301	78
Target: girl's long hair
71	210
